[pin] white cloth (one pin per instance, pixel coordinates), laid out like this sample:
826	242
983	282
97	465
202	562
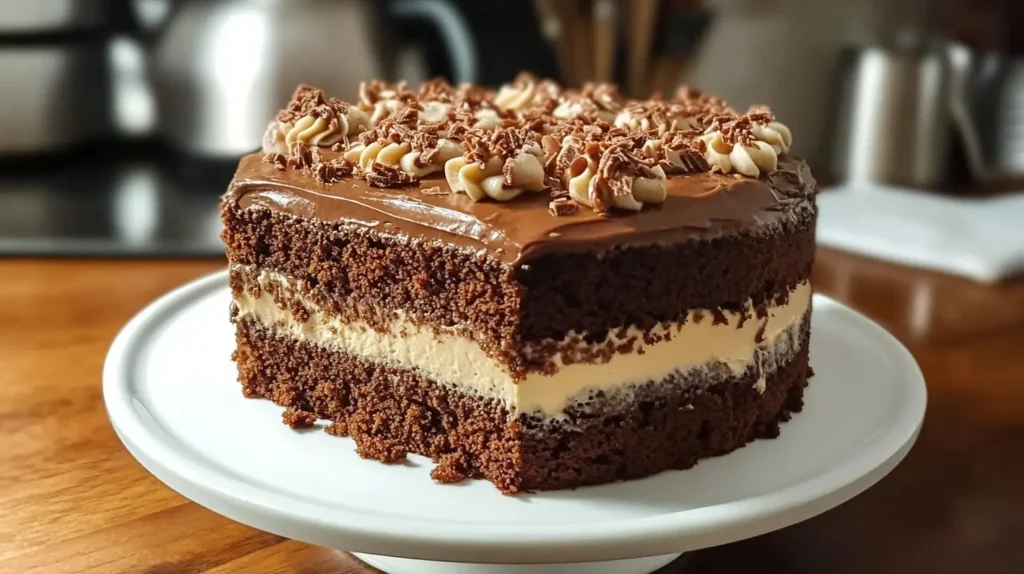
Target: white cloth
978	238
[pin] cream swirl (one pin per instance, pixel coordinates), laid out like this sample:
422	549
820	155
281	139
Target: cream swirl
524	92
320	130
273	139
675	155
402	156
754	151
589	178
673	120
498	179
775	134
574	108
429	112
486	119
434	112
384	109
583	187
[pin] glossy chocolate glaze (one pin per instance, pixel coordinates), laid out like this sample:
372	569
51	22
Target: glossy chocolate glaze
700	205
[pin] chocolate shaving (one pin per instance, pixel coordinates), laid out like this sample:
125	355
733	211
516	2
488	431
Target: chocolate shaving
477	150
692	162
578	166
380	175
310	101
428	144
736	129
506	171
333	171
572	148
279	160
436	90
300	155
566	146
616	171
562	206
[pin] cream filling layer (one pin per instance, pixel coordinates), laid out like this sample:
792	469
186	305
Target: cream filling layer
461	364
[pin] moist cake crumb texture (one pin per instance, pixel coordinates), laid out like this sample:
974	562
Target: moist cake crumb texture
537	286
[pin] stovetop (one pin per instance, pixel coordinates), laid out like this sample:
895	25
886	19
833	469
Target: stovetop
131	199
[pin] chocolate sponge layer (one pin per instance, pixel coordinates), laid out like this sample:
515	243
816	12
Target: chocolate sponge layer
355	270
390	412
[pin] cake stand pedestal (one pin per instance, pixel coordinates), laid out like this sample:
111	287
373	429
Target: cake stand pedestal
170	391
409	566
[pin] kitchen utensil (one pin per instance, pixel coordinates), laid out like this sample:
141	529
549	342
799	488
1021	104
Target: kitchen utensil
53	56
553	26
57	94
678	38
573	26
38	17
641	15
900	106
222	68
894	118
603	37
583	43
988	106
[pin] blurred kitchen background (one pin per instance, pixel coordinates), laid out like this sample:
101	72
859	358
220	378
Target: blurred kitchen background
122	119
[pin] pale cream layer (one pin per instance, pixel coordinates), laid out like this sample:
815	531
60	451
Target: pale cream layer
461	364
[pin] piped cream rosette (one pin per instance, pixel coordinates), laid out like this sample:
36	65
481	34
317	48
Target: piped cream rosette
760	154
402	156
524	92
525	173
581	180
315	130
672	159
631	121
573	108
518	96
431	112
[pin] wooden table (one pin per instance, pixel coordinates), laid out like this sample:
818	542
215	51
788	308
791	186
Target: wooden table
73	500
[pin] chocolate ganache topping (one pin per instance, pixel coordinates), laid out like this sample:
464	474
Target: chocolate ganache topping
528	169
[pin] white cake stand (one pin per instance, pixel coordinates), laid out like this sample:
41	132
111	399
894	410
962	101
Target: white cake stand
171	394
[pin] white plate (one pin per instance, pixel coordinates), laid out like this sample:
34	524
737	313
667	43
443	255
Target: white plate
172	396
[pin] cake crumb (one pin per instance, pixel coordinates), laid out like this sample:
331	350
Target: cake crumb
298	419
450	469
378	449
337	428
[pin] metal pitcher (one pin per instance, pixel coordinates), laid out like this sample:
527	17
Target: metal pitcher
901	105
988	107
222	68
894	119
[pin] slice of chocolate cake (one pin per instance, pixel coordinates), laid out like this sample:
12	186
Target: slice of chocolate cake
541	287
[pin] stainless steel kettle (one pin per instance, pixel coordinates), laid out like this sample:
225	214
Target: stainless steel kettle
901	105
222	68
894	118
988	107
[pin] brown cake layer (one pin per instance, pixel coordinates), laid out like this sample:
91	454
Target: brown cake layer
390	412
355	270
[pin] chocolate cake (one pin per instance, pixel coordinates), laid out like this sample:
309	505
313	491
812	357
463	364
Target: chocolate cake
541	287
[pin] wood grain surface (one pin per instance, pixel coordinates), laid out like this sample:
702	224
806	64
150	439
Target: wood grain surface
73	500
